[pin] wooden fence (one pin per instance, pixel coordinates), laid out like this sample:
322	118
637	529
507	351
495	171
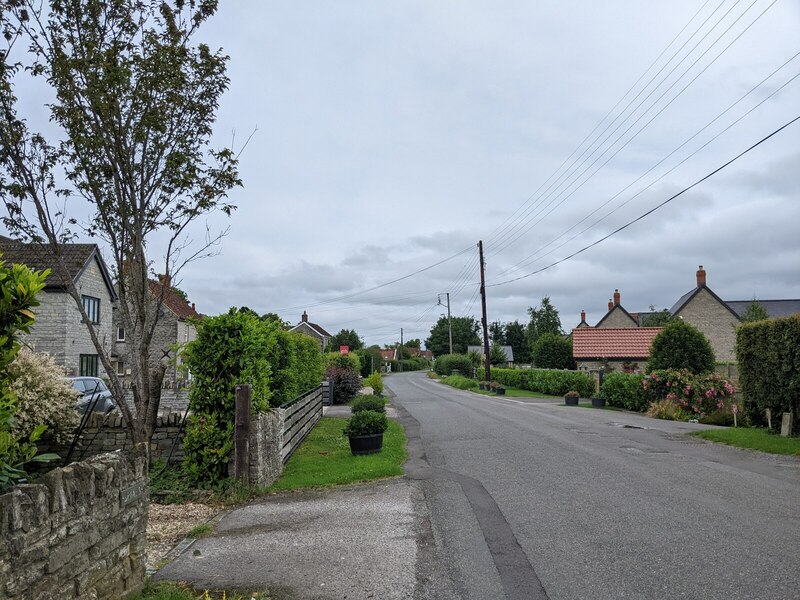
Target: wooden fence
298	418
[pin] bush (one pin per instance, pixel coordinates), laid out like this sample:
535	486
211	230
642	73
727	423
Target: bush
460	382
373	403
697	395
667	410
308	362
415	363
552	351
375	382
544	381
444	365
625	391
345	361
370	359
681	346
366	422
346	383
768	353
44	397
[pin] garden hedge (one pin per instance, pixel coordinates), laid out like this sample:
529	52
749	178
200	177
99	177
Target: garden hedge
768	354
544	381
445	364
625	391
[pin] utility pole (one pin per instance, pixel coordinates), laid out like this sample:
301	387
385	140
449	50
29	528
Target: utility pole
483	318
399	353
449	320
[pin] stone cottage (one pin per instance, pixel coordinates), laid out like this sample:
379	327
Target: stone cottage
618	349
616	317
314	330
59	329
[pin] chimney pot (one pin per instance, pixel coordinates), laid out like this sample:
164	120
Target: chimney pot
701	276
305	317
193	306
583	316
610	304
616	297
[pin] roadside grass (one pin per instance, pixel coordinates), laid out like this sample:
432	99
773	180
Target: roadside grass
201	531
517	393
168	590
324	459
753	439
171	485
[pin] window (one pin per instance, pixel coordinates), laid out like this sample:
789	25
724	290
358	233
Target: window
92	307
120	368
120	334
88	365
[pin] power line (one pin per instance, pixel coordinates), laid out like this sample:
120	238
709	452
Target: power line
652	210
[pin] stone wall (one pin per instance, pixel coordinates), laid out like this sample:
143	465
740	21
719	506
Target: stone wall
173	399
77	532
715	321
617	318
266	439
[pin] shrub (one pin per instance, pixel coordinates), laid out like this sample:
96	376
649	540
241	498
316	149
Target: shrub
768	353
625	391
460	382
308	365
346	383
544	381
444	365
345	361
375	382
366	422
698	395
370	359
373	403
552	351
681	346
667	410
415	363
44	397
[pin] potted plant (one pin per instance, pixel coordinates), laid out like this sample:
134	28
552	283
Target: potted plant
598	402
498	389
484	385
571	398
365	431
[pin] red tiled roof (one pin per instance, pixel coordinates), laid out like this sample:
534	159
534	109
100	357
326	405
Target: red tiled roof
179	306
387	354
630	342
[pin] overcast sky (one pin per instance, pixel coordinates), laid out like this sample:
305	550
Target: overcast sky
391	136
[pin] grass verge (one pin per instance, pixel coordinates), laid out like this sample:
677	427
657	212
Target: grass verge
167	590
517	393
753	439
324	459
201	531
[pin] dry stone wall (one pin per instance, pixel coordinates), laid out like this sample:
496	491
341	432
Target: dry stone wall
77	532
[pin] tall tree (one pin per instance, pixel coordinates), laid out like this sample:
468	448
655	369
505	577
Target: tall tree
414	343
346	337
516	338
131	164
543	319
658	318
465	333
755	312
497	333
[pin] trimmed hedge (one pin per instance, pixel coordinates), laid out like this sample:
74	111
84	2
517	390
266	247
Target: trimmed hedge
768	353
460	382
373	403
345	361
444	365
415	363
544	381
625	391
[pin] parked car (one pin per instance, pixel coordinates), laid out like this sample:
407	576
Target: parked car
93	393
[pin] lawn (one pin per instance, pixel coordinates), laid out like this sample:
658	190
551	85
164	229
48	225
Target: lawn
168	590
517	393
324	459
754	439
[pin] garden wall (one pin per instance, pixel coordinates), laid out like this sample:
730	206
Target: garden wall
78	532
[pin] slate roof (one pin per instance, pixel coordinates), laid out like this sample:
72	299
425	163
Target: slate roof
507	350
179	307
684	300
774	308
76	258
613	343
317	328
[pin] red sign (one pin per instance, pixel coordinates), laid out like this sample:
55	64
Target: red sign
344	349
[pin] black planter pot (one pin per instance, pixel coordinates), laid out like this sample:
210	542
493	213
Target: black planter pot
366	444
571	400
598	402
500	391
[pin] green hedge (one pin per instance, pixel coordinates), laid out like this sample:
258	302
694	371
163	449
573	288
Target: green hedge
345	361
445	364
544	381
625	391
415	363
768	353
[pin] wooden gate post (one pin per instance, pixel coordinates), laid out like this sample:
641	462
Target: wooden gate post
241	435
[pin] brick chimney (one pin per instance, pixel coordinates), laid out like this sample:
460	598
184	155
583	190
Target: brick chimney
165	280
616	297
193	308
583	316
610	304
305	317
701	276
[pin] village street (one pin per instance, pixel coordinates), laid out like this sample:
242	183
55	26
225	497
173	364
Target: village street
523	499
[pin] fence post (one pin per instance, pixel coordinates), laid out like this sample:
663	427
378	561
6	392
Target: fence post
241	435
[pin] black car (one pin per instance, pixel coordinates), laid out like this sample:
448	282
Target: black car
92	394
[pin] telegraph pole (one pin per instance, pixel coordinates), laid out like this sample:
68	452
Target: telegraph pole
399	353
483	319
449	320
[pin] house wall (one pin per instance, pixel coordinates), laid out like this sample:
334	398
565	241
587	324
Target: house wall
49	332
304	328
715	321
617	365
617	318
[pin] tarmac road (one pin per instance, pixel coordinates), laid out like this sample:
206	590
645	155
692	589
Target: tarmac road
530	500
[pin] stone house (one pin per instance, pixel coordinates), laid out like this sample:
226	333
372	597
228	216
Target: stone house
621	349
616	317
314	330
59	329
175	327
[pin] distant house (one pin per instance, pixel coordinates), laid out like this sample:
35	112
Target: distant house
59	329
388	354
414	352
617	317
507	351
175	327
314	330
622	349
583	322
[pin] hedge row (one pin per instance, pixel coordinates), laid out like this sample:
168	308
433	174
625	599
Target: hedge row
447	363
416	363
544	381
768	353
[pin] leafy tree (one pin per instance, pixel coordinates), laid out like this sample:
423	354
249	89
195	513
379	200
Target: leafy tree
414	343
552	351
755	312
659	318
497	333
134	102
516	338
346	337
465	333
543	319
496	355
681	346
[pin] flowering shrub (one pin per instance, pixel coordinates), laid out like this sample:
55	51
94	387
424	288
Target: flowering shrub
44	397
696	395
